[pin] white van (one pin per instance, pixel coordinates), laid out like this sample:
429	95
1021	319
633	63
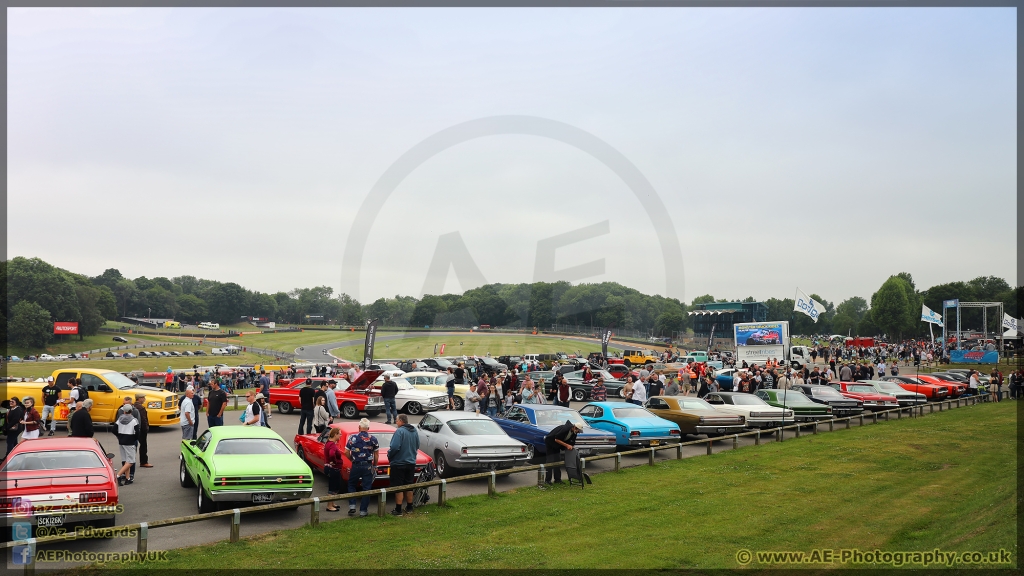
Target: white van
219	351
531	357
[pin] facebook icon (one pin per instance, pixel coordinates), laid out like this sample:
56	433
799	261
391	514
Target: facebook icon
21	555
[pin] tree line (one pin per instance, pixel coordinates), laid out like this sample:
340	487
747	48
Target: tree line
38	294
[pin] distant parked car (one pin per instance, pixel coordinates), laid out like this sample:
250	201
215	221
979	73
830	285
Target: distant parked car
120	339
144	354
127	355
14	359
30	357
113	355
63	357
46	358
187	353
200	353
632	425
175	353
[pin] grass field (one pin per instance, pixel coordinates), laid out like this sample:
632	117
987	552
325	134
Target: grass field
473	345
944	481
42	369
71	344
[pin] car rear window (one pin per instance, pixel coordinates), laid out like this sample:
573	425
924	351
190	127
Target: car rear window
475	428
631	413
251	446
53	460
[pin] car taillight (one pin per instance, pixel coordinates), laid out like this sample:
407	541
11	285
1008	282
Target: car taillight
465	450
676	432
522	448
90	497
223	481
634	433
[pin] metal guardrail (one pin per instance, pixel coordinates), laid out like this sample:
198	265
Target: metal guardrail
235	514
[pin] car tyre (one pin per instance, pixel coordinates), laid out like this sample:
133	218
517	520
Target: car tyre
183	476
531	451
460	404
372	413
627	363
579	395
622	392
413	408
302	455
443	470
284	407
204	504
349	410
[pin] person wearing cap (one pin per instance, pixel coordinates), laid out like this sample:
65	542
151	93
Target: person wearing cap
138	419
560	440
140	408
332	398
51	397
188	422
127	430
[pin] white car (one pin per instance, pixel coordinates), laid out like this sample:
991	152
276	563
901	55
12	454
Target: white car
62	357
46	358
756	412
412	400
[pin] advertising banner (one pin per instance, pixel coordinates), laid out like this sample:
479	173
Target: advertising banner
930	316
371	337
807	305
1009	322
763	334
65	327
604	342
951	303
974	356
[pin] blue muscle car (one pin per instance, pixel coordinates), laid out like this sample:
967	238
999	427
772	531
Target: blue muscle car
530	423
632	425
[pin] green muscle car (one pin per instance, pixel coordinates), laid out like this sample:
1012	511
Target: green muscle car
242	464
804	409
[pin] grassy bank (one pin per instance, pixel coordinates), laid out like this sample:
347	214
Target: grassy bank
945	481
39	369
472	345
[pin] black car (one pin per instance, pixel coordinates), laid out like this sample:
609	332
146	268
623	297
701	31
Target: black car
175	353
510	360
439	364
829	396
491	365
145	354
415	366
199	353
113	355
120	339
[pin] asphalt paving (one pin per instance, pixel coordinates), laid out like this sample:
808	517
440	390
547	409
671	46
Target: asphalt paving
156	493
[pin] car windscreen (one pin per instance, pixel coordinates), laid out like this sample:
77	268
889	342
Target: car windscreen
251	446
864	389
632	413
558	417
792	398
747	400
889	387
402	383
53	460
474	427
826	392
441	380
118	380
383	439
693	404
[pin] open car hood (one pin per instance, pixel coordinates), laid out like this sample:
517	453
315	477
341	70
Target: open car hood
364	379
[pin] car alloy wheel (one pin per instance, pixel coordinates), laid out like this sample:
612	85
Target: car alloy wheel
183	477
413	408
530	451
301	454
349	410
284	407
579	395
622	392
204	504
441	464
460	404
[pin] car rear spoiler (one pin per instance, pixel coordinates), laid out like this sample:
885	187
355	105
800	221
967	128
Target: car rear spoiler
13	482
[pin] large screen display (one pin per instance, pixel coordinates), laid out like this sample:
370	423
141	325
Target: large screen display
764	334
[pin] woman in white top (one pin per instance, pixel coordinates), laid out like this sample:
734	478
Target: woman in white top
321	417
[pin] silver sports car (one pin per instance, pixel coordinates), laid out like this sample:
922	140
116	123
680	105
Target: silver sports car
469	441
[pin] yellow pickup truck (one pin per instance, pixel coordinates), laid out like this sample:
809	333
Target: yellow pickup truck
107	389
638	357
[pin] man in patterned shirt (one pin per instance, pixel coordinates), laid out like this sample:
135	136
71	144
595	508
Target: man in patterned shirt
361	450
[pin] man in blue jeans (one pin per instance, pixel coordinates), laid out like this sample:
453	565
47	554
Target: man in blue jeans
388	391
361	450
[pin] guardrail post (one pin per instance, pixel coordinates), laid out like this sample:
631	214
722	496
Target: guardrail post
540	475
757	438
735	441
236	402
831	425
492	490
886	415
142	541
442	492
815	425
798	427
861	416
314	512
709	446
618	461
679	450
931	408
236	521
650	457
382	502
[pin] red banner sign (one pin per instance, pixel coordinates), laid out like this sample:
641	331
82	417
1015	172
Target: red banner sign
65	327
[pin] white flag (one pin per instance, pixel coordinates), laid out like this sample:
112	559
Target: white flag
929	315
1009	322
808	306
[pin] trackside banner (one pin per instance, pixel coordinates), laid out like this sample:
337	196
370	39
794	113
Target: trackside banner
604	342
974	356
371	337
65	327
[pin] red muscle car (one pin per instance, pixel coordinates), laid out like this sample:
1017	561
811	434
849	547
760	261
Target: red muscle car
310	447
931	391
50	484
355	398
954	389
868	395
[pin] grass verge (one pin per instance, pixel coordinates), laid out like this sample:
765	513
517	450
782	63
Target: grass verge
944	481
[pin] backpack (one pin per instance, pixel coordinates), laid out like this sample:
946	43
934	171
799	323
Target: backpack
83	393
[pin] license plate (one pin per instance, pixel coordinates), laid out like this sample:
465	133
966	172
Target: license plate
721	430
584	451
262	498
57	520
655	442
770	424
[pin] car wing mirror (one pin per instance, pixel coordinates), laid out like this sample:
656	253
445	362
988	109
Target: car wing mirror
192	442
104	388
110	456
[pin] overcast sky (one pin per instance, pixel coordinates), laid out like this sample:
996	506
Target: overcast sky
819	148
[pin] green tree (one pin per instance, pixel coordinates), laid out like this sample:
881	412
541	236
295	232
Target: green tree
669	321
51	288
428	309
705	299
890	308
227	302
191	308
92	317
30	324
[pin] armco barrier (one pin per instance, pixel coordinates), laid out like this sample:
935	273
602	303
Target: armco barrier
314	503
